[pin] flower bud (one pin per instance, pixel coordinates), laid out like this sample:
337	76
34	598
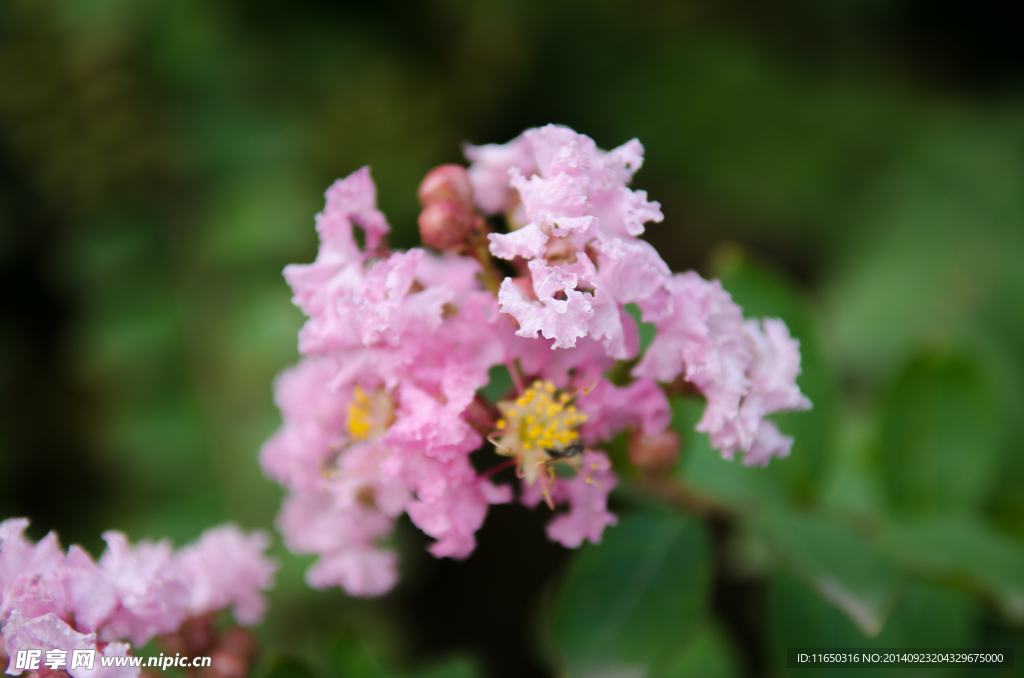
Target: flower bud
198	633
654	453
444	224
240	643
173	643
446	182
193	637
225	664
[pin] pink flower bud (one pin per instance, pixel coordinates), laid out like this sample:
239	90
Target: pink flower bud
198	633
225	664
446	182
240	643
654	453
194	637
444	224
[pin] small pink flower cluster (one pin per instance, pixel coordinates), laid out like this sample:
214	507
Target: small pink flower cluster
383	412
56	600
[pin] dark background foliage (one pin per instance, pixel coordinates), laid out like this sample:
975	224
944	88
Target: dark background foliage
856	168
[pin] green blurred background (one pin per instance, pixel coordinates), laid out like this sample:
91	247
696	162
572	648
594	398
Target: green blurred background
855	168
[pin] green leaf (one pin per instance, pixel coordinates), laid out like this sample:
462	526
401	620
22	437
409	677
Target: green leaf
332	653
854	484
455	667
631	604
939	446
283	667
926	616
964	551
828	558
498	385
645	330
707	656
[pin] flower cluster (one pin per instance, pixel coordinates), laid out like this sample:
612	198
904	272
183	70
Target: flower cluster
383	411
57	600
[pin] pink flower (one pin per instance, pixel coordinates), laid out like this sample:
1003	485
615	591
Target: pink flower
18	554
418	454
641	405
344	538
561	175
44	632
576	193
587	495
152	598
489	172
564	314
382	413
558	204
68	602
71	586
375	309
744	373
768	443
15	549
457	273
352	200
30	572
226	567
35	594
434	428
564	320
581	367
610	321
50	632
429	448
314	425
773	371
362	571
699	319
529	242
631	271
90	598
454	515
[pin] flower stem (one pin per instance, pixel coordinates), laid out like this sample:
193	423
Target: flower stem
496	469
515	370
680	495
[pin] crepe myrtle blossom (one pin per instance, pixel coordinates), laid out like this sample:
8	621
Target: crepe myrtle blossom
384	410
575	224
53	599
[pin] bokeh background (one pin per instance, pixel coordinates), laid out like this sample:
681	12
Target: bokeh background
855	167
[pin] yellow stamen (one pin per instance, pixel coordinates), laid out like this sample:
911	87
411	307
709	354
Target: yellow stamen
540	420
369	415
359	415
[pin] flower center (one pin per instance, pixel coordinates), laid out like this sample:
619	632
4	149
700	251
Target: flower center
538	427
369	416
